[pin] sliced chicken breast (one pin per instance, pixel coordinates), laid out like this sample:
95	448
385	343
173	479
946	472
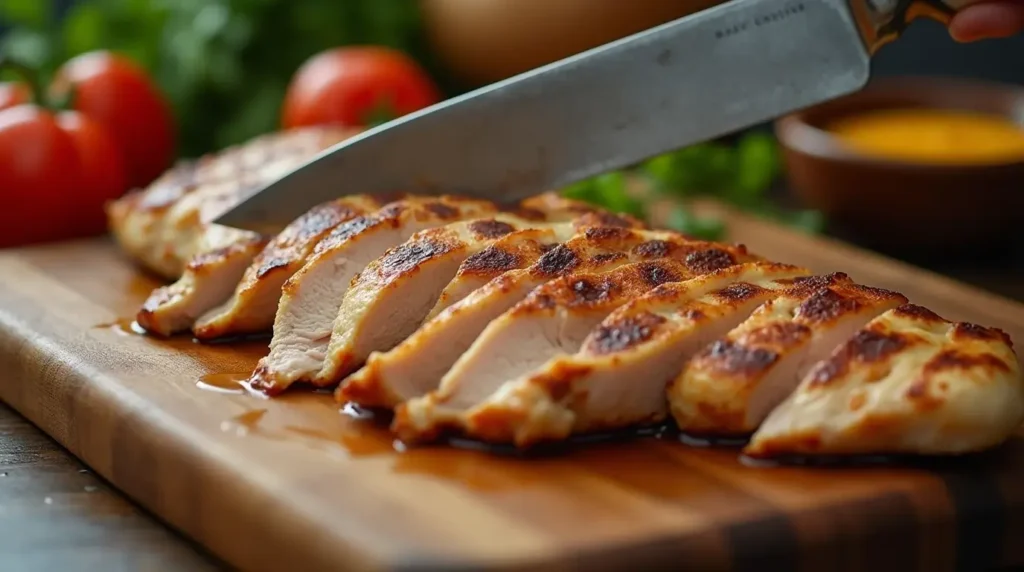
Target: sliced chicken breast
164	225
618	377
909	382
208	279
731	385
167	227
392	296
252	307
311	297
520	250
514	251
553	320
417	364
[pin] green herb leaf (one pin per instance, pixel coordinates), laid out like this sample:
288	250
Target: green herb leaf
607	191
757	166
706	228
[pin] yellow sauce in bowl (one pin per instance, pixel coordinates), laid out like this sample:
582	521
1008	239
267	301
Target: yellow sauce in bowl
932	136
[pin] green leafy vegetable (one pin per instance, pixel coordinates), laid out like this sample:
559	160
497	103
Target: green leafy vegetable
608	191
224	64
742	174
706	228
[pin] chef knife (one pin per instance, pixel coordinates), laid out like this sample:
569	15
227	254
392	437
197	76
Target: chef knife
693	79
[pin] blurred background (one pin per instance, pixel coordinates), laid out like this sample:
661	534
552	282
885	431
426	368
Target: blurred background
224	66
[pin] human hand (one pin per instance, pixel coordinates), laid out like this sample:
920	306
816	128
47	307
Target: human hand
992	19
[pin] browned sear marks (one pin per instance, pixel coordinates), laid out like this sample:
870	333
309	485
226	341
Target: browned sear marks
709	260
826	305
490	228
606	258
955	359
268	266
967	330
558	260
738	292
655	274
730	357
588	290
626	333
408	256
653	249
916	312
866	346
607	233
347	230
490	260
442	210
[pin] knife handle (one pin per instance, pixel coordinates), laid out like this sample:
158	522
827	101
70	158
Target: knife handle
882	21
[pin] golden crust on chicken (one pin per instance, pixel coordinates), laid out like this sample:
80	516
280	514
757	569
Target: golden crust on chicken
553	320
618	377
310	298
252	306
418	363
393	295
910	382
162	226
731	385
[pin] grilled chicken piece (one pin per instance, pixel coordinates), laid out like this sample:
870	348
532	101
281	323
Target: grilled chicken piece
311	297
392	296
553	320
252	307
416	365
909	382
514	251
207	281
731	385
618	377
165	225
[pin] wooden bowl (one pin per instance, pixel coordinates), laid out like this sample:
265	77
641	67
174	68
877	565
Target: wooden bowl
900	206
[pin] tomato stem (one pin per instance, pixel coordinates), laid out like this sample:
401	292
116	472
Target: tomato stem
28	75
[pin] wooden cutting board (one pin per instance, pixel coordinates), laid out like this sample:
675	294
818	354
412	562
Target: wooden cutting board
292	484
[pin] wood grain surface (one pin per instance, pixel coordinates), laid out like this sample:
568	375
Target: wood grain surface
292	484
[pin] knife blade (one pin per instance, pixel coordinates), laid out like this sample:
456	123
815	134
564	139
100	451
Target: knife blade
693	79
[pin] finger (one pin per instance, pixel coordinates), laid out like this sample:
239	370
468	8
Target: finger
996	19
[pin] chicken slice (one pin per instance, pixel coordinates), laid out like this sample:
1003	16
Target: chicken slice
729	387
618	377
416	366
909	382
311	297
552	320
167	227
252	307
512	252
164	225
208	279
392	296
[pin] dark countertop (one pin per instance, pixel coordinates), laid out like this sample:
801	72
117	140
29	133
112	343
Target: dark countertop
56	514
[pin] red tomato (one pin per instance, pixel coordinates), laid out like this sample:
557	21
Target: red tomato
39	169
116	93
12	94
101	171
348	85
